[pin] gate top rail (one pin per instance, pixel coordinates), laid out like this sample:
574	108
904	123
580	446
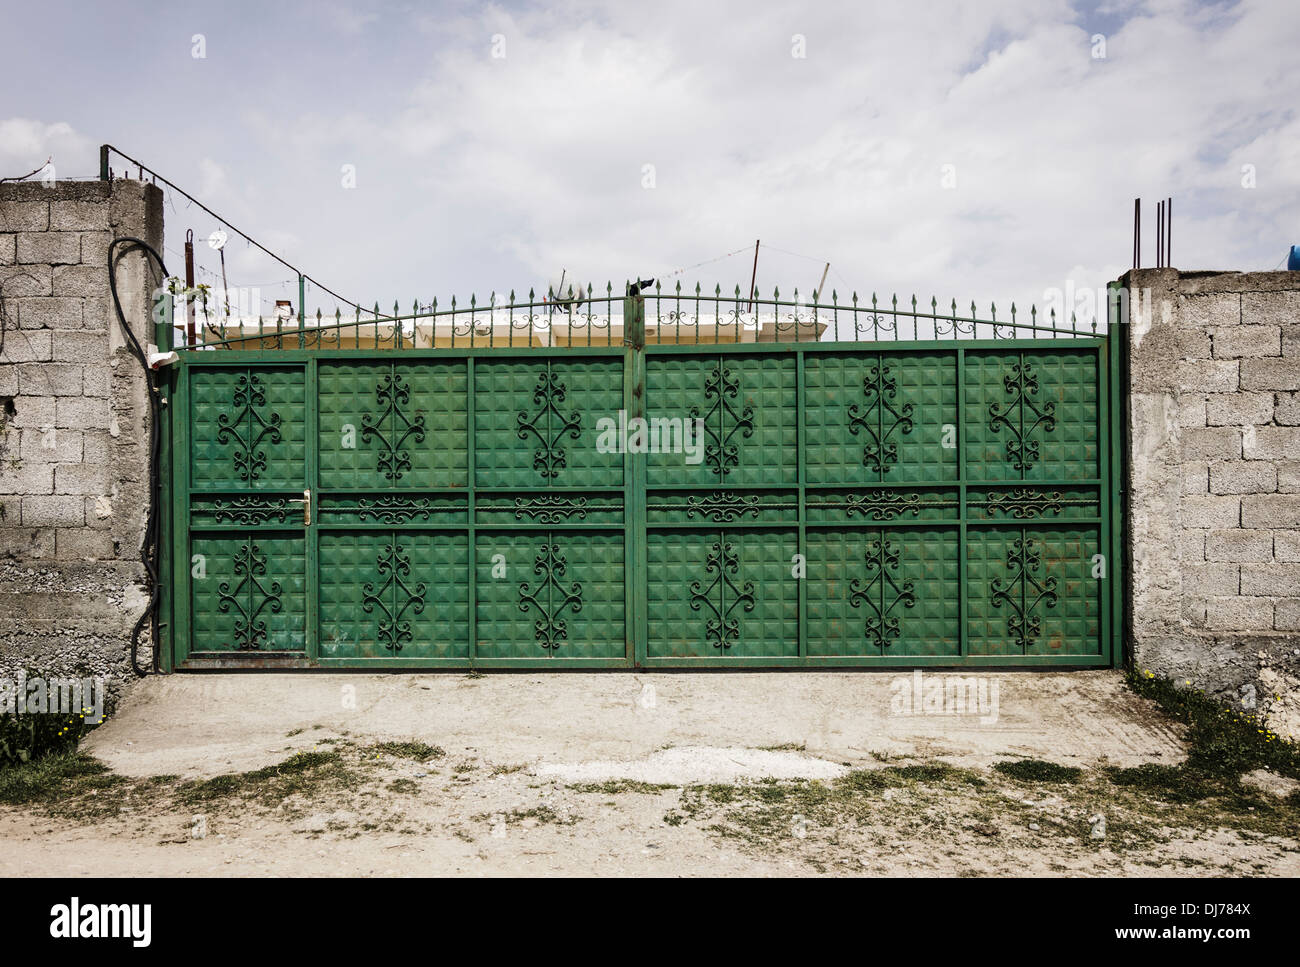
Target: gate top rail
584	317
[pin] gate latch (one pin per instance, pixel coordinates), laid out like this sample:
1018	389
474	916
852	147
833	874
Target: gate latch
306	507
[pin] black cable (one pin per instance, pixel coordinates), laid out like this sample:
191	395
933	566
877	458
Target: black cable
149	549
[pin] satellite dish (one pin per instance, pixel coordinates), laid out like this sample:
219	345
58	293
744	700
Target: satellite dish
565	291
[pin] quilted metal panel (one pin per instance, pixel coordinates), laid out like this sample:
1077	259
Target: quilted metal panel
887	417
247	428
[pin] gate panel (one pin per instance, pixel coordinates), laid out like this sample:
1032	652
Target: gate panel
879	417
249	592
550	594
725	592
393	594
884	591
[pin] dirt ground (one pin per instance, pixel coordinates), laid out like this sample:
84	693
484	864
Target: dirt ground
651	774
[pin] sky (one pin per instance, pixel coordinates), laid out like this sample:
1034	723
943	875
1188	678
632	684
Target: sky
973	151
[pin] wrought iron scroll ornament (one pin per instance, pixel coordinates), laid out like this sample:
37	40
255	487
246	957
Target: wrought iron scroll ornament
250	627
880	417
391	509
394	570
251	510
1022	416
882	593
722	628
548	509
1023	592
549	458
550	629
392	394
722	506
248	401
721	453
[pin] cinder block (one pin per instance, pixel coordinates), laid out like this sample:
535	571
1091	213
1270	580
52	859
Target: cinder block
1270	510
96	446
24	346
27	478
60	312
95	381
1191	545
96	315
1256	477
1286	615
80	346
1270	308
1211	579
23	281
50	248
33	410
1232	613
1191	412
1208	375
1287	411
82	478
1278	580
1194	344
1286	546
50	379
1238	409
1211	443
50	445
1288	477
79	544
83	413
1273	443
94	251
80	280
8	248
1196	478
1235	545
1247	342
1216	309
54	511
8	379
26	216
27	543
78	216
1271	374
1211	511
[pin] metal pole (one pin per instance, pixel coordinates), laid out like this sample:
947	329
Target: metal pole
1169	232
817	295
753	279
103	162
190	336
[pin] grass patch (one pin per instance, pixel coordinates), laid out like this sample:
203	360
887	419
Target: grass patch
1223	741
303	773
614	787
407	786
55	778
419	751
1036	770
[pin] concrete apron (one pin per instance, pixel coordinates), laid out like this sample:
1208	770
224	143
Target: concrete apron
657	727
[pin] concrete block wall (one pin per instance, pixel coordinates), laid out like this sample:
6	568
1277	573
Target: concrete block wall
73	426
1214	484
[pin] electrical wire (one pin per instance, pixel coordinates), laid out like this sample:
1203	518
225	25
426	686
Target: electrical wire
149	549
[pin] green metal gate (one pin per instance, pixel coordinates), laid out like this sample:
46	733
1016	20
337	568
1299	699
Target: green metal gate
836	486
